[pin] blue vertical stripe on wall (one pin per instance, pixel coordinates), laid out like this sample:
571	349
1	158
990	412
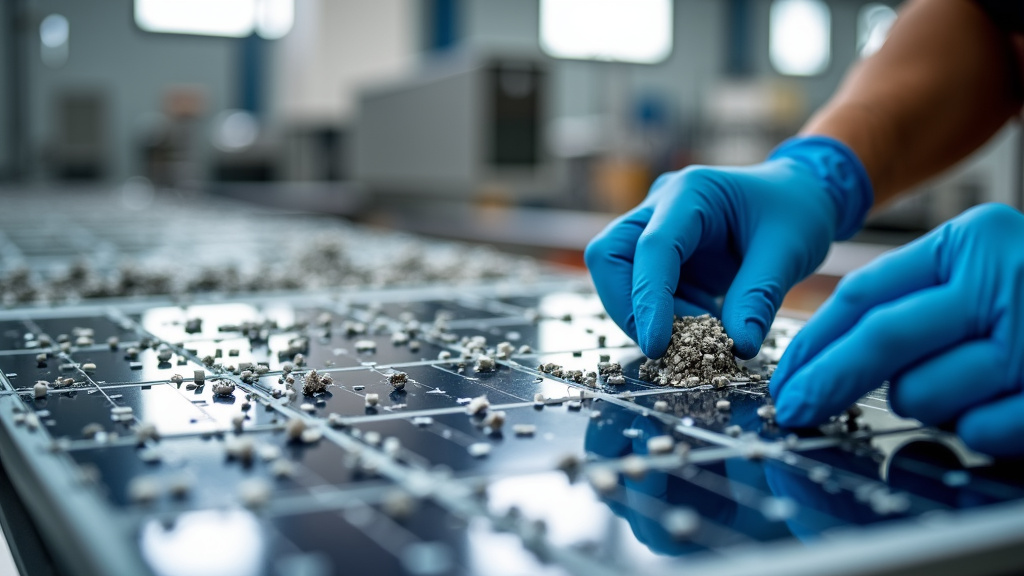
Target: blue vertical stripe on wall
444	23
737	50
251	84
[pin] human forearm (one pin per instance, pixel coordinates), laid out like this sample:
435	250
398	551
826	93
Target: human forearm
943	84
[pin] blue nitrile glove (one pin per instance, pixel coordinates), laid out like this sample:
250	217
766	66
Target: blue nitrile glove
745	233
942	319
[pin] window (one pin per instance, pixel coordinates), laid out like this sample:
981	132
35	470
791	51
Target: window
638	31
270	19
800	37
873	24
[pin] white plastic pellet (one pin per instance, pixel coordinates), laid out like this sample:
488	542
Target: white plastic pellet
681	523
524	429
254	492
311	435
479	449
660	444
294	428
603	480
365	346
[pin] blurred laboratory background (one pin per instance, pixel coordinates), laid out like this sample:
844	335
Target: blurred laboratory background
526	124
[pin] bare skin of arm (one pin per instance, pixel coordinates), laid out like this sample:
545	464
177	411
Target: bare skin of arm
942	84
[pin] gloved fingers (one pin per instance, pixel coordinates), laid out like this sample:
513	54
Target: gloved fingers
894	274
888	340
995	428
941	388
769	269
671	236
694	301
609	256
682	307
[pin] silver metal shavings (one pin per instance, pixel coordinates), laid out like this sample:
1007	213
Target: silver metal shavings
398	380
313	383
699	352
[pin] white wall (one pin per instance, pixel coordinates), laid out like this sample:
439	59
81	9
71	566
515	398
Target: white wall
336	47
132	68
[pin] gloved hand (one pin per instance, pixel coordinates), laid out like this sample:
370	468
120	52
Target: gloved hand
942	319
747	234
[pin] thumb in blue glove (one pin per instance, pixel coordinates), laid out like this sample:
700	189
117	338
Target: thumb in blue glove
746	234
942	319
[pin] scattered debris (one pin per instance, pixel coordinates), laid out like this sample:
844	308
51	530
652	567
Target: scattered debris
484	363
398	380
660	444
294	428
603	479
494	420
365	346
90	431
634	466
681	523
524	429
399	504
223	388
254	492
146	432
479	449
478	405
143	489
313	383
311	435
240	448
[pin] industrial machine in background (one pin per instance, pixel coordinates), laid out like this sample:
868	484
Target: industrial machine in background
461	129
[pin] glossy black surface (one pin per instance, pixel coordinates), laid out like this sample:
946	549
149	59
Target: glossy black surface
401	487
562	431
69	412
114	367
23	370
212	475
